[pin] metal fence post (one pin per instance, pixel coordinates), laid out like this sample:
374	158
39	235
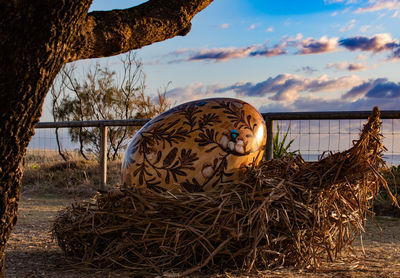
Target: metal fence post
103	157
270	138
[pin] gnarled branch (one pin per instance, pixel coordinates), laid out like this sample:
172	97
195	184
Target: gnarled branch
108	33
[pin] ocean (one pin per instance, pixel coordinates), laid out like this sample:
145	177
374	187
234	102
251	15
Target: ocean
390	159
45	140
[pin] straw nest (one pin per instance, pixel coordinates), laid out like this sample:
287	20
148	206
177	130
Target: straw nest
284	212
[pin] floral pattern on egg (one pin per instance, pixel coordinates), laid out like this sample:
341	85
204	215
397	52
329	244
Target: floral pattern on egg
198	145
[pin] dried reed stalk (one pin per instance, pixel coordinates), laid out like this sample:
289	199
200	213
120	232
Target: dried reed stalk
284	212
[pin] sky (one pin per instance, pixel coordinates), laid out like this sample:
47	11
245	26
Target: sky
286	55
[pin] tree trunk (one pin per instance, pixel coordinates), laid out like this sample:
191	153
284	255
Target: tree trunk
37	38
33	46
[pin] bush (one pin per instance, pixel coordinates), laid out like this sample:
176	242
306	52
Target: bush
103	95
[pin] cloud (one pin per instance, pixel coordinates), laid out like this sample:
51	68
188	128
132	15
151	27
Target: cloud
269	52
272	85
225	54
287	87
362	89
339	66
193	92
364	28
387	90
180	51
306	103
270	29
350	25
313	46
378	43
307	70
224	26
220	54
311	103
357	66
348	66
252	26
379	88
396	54
289	92
325	84
287	41
378	5
361	57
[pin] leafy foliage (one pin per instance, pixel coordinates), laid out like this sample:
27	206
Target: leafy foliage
104	95
281	144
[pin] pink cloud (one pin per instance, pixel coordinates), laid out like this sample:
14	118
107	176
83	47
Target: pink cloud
348	66
313	46
287	91
378	5
287	87
221	54
377	43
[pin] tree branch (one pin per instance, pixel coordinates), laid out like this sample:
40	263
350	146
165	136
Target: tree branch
108	33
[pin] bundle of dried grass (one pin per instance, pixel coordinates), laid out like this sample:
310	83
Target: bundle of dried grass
284	212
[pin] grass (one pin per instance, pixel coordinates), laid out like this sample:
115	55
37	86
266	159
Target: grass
46	173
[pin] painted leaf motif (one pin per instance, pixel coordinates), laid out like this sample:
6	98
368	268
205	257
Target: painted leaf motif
193	186
177	146
210	150
158	157
170	157
141	178
180	173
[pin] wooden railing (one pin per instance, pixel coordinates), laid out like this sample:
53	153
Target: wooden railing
269	120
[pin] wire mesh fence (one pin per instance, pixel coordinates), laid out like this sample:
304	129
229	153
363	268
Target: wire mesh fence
315	138
314	134
43	147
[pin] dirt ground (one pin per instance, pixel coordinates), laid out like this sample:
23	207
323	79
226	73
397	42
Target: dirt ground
31	252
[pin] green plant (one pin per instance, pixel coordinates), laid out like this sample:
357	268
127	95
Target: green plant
281	144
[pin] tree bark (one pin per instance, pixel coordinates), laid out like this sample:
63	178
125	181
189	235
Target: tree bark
34	44
118	31
37	38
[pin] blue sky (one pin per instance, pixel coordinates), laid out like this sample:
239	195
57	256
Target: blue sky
280	55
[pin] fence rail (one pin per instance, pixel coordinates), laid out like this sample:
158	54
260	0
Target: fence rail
131	122
345	115
270	118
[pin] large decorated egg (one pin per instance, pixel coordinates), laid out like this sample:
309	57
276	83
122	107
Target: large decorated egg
198	145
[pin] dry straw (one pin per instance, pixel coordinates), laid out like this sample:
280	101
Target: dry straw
284	212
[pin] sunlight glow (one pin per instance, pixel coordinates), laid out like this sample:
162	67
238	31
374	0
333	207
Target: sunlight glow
260	135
